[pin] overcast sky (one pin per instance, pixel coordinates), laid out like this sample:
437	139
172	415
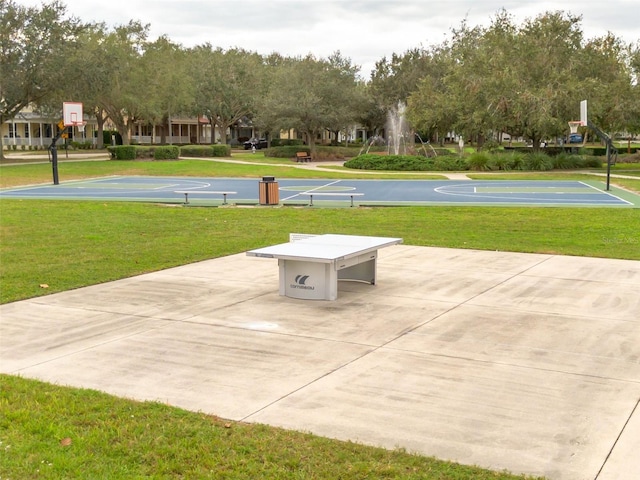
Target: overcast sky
363	30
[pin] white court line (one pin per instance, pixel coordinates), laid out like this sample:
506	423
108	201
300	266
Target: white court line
507	198
311	190
604	191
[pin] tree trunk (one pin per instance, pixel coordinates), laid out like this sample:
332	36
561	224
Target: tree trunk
311	138
223	132
100	120
163	130
535	139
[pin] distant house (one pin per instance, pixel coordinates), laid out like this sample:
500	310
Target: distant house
35	129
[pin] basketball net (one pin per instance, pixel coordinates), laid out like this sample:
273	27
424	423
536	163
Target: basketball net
80	126
573	126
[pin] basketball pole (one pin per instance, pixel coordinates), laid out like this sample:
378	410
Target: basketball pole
611	149
54	155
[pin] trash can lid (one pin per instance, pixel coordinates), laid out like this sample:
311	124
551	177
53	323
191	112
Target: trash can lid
268	179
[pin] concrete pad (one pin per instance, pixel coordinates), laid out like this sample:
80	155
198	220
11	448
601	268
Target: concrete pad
524	362
572	344
227	372
531	421
33	333
373	323
619	465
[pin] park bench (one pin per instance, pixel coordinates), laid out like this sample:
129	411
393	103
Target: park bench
303	157
206	192
330	194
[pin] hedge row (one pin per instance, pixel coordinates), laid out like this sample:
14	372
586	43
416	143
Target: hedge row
413	163
594	151
205	151
321	153
480	161
283	142
602	151
167	152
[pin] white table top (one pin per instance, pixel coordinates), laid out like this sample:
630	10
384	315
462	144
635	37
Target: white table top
325	248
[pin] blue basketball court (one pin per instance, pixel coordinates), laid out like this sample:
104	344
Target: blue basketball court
343	192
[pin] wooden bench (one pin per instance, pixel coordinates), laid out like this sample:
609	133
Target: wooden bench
207	192
328	194
303	157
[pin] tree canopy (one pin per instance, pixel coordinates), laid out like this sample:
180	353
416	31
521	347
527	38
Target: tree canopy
526	80
521	79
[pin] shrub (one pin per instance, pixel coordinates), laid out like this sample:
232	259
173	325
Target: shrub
106	137
143	151
429	151
283	142
86	145
391	162
552	151
479	161
166	152
503	161
566	161
221	150
205	151
122	152
632	158
539	161
449	163
491	146
286	151
592	162
596	151
333	153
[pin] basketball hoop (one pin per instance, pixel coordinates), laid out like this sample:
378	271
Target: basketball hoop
573	126
80	126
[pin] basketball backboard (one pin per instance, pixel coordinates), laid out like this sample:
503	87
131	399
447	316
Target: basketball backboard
72	114
583	112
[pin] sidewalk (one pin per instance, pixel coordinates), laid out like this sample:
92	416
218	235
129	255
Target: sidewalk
523	362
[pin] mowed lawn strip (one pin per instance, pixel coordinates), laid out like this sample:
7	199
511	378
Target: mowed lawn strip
38	173
70	244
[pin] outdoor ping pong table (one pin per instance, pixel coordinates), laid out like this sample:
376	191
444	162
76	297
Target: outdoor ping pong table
310	268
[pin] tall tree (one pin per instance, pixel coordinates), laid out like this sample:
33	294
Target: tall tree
429	107
632	114
168	89
343	92
34	43
123	101
308	95
605	79
225	84
88	80
525	80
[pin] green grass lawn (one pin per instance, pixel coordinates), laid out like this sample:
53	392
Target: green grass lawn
54	432
69	244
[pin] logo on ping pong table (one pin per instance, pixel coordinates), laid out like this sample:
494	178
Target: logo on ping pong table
301	282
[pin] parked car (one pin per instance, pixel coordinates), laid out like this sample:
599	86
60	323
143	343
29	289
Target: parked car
258	143
575	138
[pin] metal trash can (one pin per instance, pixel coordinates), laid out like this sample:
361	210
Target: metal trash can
268	191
